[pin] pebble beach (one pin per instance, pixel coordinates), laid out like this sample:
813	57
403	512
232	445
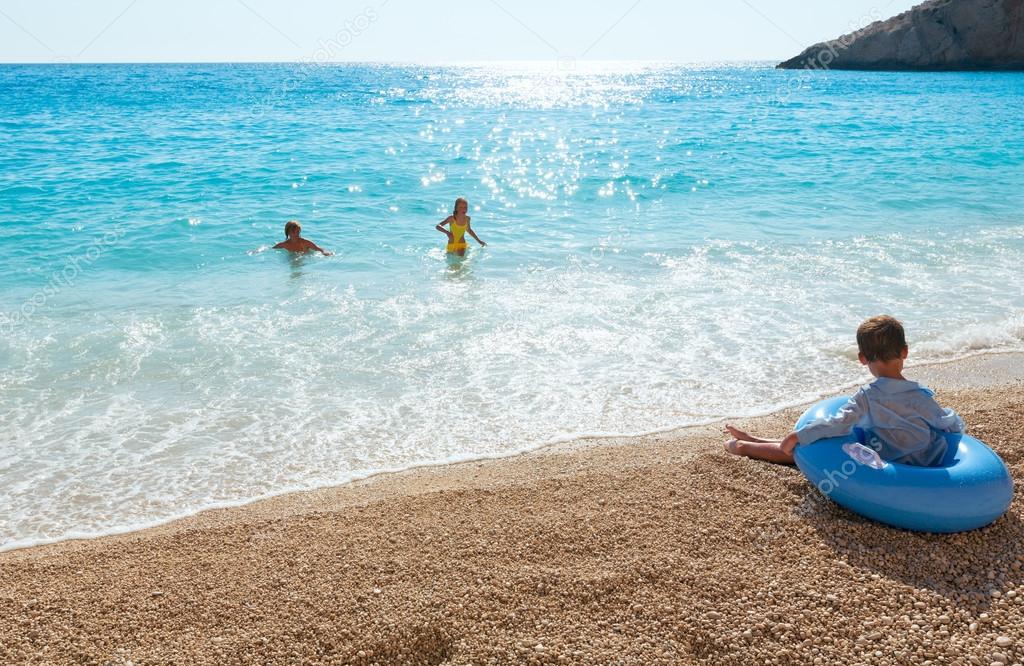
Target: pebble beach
654	550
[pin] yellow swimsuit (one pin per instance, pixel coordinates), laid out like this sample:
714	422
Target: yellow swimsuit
458	241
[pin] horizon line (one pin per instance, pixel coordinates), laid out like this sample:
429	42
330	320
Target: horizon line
386	62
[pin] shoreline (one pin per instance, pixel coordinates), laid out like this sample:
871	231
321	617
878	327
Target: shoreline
650	550
984	369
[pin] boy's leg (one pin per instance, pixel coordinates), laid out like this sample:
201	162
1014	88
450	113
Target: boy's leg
769	451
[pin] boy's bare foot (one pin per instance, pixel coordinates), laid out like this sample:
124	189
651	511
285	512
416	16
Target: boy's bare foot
740	435
733	447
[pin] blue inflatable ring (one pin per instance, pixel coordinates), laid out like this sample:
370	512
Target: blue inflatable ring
970	489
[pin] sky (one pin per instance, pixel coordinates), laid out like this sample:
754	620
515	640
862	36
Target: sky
424	30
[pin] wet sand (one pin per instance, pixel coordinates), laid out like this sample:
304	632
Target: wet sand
660	549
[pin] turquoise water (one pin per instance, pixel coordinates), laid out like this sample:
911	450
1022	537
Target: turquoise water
666	245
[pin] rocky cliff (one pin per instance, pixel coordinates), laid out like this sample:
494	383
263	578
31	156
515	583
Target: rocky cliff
935	35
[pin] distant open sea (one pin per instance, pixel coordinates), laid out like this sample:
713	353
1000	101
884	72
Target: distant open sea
667	245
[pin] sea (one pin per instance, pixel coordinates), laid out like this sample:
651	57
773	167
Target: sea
667	245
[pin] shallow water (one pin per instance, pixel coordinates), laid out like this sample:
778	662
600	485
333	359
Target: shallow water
667	245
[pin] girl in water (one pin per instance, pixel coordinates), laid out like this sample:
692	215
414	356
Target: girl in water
460	226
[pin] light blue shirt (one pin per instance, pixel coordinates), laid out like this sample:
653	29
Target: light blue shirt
906	422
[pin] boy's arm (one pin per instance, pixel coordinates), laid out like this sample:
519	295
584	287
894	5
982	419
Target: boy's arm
946	420
937	417
310	245
469	230
320	249
789	442
837	425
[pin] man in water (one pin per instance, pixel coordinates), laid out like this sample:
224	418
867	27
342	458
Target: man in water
295	242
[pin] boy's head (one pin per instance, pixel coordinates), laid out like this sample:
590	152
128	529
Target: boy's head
292	229
881	339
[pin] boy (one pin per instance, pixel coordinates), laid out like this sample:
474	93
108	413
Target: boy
903	417
295	242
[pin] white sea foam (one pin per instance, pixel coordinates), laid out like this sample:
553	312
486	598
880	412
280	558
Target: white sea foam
153	415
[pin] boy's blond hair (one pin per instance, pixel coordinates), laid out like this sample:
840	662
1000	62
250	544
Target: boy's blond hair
289	226
881	338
